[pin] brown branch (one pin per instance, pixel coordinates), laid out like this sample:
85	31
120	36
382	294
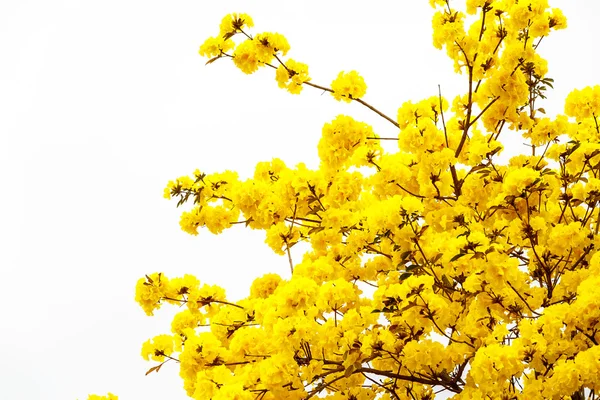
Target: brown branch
484	110
381	138
524	301
453	387
409	192
376	111
205	302
442	115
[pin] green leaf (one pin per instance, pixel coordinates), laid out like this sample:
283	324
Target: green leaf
478	168
456	257
405	276
410	305
446	281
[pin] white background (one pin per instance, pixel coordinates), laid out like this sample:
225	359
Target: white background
102	102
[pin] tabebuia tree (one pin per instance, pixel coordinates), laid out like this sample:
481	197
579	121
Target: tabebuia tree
433	269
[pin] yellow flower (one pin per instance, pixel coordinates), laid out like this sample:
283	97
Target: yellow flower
348	86
584	103
433	257
538	223
281	237
340	139
220	217
518	179
190	221
336	295
448	29
184	320
564	237
269	44
157	348
472	5
215	46
233	23
150	290
246	57
292	76
557	19
264	286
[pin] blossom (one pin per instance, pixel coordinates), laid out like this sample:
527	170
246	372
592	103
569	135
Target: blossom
233	23
292	75
348	86
434	259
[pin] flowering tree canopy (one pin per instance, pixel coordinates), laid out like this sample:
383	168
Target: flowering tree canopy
431	269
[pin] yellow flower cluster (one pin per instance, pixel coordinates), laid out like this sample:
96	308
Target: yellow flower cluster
433	268
215	47
266	48
292	75
234	23
254	52
348	86
341	139
584	103
158	348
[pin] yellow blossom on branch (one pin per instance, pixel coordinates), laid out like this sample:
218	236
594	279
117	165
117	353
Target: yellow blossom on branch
431	267
348	86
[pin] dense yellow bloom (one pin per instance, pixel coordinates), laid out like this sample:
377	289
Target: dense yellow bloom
215	46
292	76
584	103
337	295
150	290
340	139
157	348
265	286
557	20
472	5
190	221
348	86
432	267
518	180
220	217
186	319
281	237
523	13
233	23
547	130
269	44
247	56
447	28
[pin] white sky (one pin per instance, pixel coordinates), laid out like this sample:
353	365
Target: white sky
101	103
